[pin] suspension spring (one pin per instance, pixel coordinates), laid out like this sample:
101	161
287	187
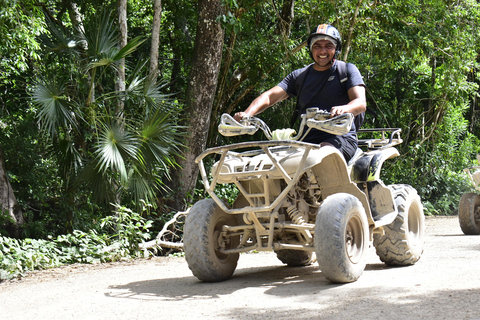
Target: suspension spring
295	215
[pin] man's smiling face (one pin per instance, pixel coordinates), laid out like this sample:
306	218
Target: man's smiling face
323	52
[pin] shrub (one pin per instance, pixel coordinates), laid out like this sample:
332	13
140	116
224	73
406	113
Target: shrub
118	239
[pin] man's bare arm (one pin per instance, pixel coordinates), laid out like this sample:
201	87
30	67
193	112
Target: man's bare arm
357	104
262	102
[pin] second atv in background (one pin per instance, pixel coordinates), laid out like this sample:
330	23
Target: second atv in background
469	207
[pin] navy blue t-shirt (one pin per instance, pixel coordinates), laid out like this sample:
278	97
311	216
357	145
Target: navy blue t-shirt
332	94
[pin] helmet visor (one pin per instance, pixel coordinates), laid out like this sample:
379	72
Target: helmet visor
322	37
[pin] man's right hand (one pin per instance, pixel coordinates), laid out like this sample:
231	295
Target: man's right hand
240	115
262	102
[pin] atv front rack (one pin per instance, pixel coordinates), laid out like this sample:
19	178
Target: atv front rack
258	202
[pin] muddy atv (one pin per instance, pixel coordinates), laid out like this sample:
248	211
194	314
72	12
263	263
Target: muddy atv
469	207
302	201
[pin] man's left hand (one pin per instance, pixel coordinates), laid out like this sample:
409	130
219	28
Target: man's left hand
336	111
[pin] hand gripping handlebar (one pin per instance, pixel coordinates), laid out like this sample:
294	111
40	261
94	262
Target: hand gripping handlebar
314	118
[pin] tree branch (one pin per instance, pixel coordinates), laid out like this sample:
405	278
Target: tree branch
158	242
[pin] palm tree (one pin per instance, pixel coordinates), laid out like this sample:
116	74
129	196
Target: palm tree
119	156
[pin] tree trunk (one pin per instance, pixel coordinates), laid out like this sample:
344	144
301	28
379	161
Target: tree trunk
120	84
348	40
157	18
286	18
178	36
221	96
200	92
76	16
11	215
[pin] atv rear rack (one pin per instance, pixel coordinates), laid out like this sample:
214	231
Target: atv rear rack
383	142
475	176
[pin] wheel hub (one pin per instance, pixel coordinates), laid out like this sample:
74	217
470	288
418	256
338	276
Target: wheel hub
354	240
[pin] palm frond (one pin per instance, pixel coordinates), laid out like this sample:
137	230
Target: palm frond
154	97
59	38
68	158
103	43
115	148
131	156
148	95
161	140
100	35
54	108
141	186
135	86
104	185
113	55
130	47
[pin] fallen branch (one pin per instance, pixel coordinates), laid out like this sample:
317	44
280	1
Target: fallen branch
158	242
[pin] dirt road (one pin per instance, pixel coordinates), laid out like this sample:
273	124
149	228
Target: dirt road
444	284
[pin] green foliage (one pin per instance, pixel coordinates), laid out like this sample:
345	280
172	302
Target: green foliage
18	256
178	254
436	169
117	238
120	145
227	192
129	229
19	28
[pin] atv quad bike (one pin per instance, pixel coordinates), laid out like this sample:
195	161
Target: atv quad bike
302	201
469	207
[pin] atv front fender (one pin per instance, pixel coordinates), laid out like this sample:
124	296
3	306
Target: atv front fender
333	177
366	171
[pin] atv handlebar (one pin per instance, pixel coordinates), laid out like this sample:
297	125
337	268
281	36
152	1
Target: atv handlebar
248	125
314	118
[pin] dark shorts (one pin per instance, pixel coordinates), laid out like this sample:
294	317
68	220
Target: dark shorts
346	145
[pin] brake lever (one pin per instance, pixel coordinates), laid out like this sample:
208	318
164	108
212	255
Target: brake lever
318	114
338	125
229	127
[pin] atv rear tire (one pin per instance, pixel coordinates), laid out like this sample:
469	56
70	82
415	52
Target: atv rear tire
203	239
341	238
295	258
403	240
469	213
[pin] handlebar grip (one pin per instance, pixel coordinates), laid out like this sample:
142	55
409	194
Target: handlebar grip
230	127
338	125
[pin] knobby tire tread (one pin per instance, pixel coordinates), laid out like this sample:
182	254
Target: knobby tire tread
396	247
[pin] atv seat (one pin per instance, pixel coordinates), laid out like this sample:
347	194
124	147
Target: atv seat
358	153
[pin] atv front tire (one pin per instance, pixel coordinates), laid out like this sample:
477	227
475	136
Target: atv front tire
403	239
203	239
341	238
469	213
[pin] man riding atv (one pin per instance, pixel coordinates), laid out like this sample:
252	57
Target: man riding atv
320	85
313	196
